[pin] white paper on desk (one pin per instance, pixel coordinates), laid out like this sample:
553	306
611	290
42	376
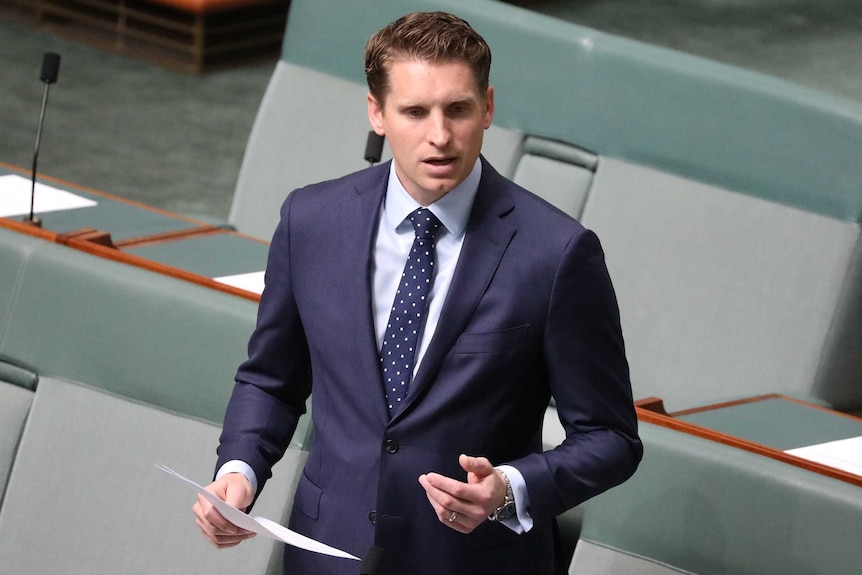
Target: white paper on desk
261	525
15	198
252	282
844	454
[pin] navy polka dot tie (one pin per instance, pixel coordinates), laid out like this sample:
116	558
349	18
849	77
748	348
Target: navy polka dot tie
397	354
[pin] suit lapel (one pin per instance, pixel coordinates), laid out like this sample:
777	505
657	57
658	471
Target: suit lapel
365	209
487	237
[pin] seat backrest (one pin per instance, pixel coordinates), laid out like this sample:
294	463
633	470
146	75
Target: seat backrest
724	294
558	173
135	333
704	507
122	514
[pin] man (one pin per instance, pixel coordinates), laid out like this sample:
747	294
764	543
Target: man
415	402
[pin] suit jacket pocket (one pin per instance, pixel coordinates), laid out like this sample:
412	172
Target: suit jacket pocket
307	498
492	341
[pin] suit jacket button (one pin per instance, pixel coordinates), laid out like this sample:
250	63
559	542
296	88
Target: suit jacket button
372	516
391	446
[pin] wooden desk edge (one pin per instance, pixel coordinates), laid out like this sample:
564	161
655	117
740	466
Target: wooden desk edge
647	413
81	243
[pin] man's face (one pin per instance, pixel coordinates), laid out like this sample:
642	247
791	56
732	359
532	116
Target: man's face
434	117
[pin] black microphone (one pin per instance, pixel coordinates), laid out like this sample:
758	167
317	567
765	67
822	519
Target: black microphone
50	69
373	147
372	561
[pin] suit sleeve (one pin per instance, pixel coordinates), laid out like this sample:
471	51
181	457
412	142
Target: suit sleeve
273	384
589	379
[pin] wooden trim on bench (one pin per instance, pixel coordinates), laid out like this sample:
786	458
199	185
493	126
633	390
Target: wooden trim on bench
82	240
670	422
99	243
137	261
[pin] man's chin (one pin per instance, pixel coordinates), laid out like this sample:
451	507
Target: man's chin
432	190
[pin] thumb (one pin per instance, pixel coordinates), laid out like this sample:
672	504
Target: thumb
238	492
478	467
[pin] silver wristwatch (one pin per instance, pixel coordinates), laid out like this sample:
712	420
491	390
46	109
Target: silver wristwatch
507	508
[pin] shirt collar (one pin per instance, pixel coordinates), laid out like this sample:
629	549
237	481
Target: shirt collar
452	210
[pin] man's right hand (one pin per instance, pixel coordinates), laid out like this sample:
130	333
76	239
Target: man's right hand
234	489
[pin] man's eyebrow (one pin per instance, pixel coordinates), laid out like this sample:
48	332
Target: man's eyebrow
461	101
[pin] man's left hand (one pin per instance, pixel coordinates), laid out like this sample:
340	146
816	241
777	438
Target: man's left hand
463	506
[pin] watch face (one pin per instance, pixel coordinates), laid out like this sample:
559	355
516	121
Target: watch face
507	511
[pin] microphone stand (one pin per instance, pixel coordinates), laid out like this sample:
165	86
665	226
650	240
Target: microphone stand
50	67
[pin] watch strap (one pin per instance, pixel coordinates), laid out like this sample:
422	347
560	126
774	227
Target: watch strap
507	508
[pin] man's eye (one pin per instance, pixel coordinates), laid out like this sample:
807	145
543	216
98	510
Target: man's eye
415	113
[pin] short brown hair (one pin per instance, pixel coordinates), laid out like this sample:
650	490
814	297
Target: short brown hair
426	36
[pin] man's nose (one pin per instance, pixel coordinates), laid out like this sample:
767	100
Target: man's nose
439	133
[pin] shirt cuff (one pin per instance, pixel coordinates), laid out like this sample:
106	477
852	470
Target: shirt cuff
521	522
237	466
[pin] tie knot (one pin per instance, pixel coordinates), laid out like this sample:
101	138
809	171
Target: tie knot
425	224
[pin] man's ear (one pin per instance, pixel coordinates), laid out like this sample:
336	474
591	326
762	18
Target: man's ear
489	107
375	115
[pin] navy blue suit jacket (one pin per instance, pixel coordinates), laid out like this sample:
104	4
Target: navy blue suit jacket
530	314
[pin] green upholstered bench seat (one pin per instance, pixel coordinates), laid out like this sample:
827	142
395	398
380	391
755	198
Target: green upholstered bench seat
132	332
106	370
707	508
85	497
724	294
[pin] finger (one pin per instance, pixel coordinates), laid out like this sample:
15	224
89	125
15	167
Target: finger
442	502
459	514
209	515
451	487
218	536
476	498
445	492
214	522
223	540
459	522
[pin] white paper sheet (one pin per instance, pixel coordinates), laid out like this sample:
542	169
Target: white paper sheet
252	282
15	198
844	454
261	525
